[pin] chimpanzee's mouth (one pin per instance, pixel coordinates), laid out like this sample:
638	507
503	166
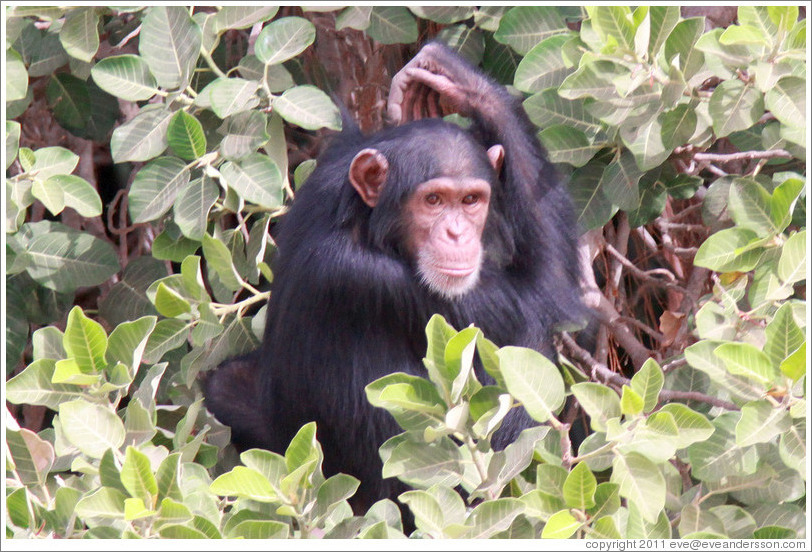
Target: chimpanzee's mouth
456	272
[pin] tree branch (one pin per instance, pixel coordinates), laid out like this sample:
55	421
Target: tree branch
608	376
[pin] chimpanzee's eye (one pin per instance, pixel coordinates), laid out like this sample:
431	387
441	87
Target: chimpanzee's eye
433	199
470	199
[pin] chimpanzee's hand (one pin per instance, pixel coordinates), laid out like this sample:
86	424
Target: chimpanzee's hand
434	83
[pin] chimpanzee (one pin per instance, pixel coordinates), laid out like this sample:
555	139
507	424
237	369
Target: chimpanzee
422	218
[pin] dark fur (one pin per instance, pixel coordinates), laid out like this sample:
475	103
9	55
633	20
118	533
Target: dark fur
346	307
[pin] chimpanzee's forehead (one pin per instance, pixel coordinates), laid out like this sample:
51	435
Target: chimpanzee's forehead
432	147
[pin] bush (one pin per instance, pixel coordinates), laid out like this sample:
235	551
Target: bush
685	148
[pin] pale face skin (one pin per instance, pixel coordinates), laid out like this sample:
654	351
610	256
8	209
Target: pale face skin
446	218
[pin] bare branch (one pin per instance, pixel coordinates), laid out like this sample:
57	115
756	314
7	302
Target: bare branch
742	156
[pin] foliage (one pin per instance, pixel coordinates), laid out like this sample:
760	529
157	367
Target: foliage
653	119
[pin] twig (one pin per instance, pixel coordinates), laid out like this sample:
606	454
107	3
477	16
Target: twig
669	395
647	275
742	156
609	317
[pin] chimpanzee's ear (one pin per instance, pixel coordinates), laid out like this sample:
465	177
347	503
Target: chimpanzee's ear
368	172
496	154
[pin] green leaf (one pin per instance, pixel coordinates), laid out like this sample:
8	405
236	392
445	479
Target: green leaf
677	126
760	423
192	206
230	96
92	428
411	460
594	79
392	25
50	194
244	482
783	201
134	508
303	448
543	66
308	107
620	181
42	51
548	108
256	178
411	390
579	488
244	133
493	516
138	424
428	516
443	14
185	136
641	483
794	366
105	503
77	194
565	144
599	402
691	426
792	264
409	397
523	27
85	341
561	525
283	39
631	403
143	137
16	77
169	303
168	334
734	106
783	335
47	343
354	17
34	386
67	260
12	139
663	20
170	44
126	76
792	447
336	489
80	33
69	99
613	22
242	17
32	456
155	188
68	371
137	477
646	143
260	529
53	160
532	379
647	383
749	206
720	251
746	360
591	204
743	34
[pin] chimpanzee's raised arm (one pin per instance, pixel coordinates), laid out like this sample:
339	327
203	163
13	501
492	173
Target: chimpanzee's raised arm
436	82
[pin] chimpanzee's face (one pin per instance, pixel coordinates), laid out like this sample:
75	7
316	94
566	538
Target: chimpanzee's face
442	218
445	218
